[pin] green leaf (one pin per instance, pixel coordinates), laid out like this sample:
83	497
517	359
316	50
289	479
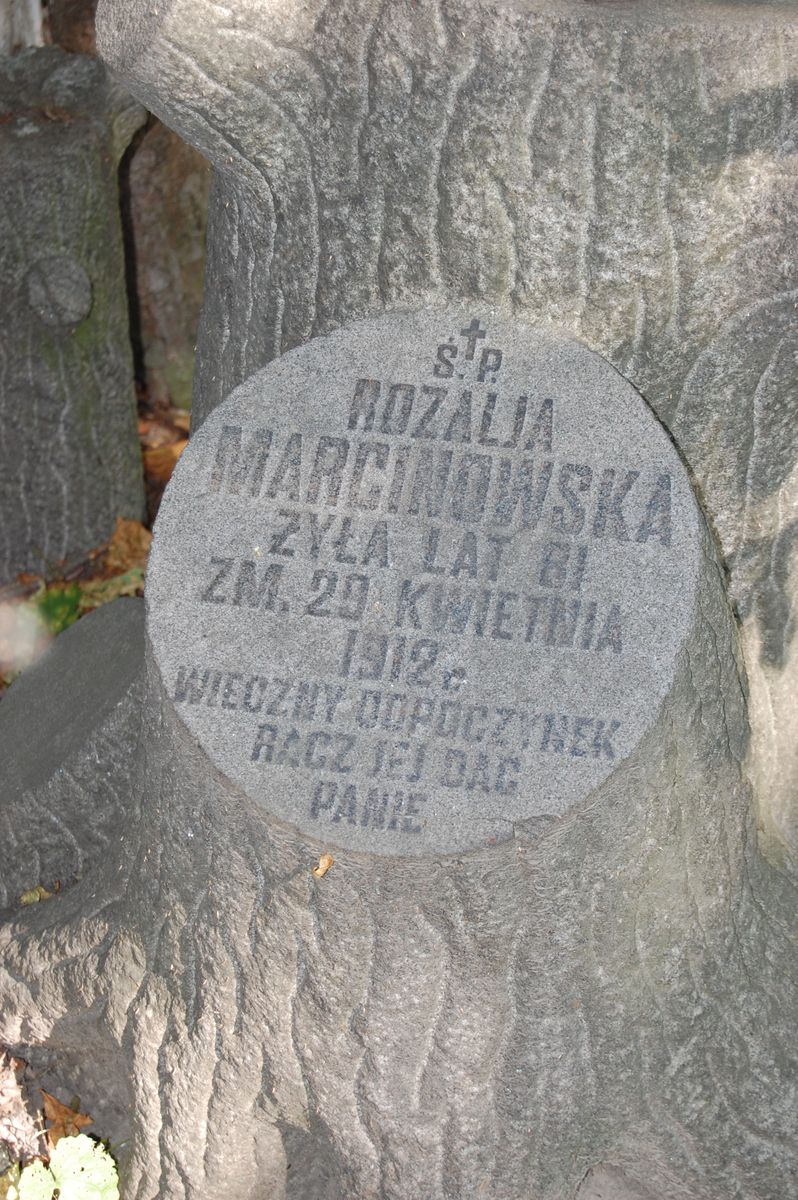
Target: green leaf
59	606
99	591
83	1170
36	1183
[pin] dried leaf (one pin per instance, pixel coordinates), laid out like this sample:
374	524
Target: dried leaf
323	865
164	426
129	547
18	1130
34	895
65	1121
159	461
154	433
181	419
99	591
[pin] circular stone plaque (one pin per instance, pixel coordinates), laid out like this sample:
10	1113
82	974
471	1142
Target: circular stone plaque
424	578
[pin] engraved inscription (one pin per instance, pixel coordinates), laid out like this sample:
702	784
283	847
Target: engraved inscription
437	600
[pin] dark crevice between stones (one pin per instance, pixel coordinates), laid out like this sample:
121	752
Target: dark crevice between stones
131	263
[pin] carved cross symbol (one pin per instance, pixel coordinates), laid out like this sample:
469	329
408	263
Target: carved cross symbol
473	332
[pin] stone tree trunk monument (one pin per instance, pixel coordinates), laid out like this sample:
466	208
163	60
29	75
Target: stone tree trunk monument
70	462
437	596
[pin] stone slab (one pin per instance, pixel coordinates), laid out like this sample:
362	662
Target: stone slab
424	579
95	660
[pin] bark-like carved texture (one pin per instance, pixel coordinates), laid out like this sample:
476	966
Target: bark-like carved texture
612	999
70	461
626	173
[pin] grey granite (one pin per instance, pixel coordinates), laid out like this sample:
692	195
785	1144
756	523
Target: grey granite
602	1005
424	579
623	171
69	734
599	1005
69	455
68	726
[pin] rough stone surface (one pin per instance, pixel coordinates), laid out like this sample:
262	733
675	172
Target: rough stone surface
624	171
603	1002
167	197
424	579
64	765
600	1006
69	733
70	462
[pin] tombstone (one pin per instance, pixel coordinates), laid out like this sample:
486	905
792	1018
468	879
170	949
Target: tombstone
409	595
431	597
70	461
625	172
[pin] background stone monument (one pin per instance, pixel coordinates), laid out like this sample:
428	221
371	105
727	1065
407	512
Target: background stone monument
432	596
70	462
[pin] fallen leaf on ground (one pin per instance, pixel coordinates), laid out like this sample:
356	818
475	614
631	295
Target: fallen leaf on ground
17	1127
181	419
159	461
35	895
129	546
59	606
65	1121
160	426
323	865
95	592
154	433
83	1169
36	1183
